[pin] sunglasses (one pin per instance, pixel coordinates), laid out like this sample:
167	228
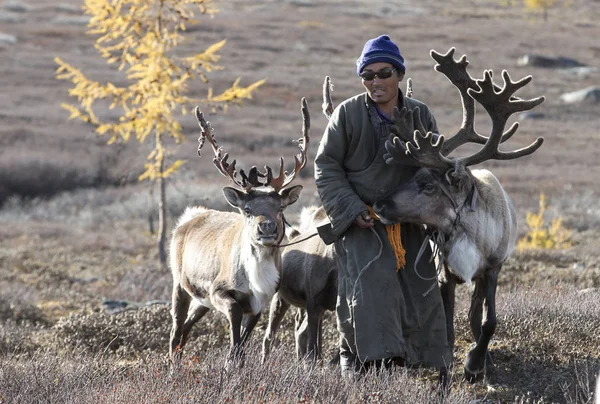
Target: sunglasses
384	73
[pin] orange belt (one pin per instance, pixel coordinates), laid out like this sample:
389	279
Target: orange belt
393	232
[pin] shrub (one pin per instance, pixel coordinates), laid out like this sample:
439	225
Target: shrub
543	235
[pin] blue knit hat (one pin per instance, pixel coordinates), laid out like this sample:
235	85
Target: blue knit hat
380	49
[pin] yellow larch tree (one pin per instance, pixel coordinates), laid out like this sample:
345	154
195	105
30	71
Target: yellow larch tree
543	235
139	36
536	5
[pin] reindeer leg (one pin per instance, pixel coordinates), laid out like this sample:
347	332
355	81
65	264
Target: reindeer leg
447	289
485	293
248	327
320	338
195	313
180	305
313	315
489	327
301	333
276	313
225	303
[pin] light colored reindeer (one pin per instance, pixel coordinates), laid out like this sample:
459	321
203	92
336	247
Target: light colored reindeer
471	215
231	261
308	282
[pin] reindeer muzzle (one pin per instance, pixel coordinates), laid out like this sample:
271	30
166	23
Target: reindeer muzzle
267	232
383	209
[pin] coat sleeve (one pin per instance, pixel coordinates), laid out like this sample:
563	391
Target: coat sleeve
339	199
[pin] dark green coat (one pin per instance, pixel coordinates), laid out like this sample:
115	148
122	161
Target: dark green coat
381	313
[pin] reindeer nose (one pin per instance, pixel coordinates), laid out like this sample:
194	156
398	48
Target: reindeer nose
267	228
379	207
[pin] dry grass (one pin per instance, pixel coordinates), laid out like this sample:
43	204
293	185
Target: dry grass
84	379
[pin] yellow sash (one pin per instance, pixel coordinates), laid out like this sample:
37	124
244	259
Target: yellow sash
393	232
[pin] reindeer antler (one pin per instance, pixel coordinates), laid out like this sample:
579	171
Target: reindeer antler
456	72
499	102
284	179
327	103
252	179
500	106
220	158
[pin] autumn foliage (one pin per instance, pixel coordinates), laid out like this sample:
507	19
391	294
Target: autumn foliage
544	235
139	37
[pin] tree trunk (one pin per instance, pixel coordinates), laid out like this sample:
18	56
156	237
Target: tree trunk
162	220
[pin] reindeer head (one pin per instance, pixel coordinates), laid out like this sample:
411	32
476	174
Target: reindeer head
444	184
258	196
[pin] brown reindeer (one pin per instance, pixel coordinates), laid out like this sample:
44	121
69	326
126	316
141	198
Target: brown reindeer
469	213
308	282
231	261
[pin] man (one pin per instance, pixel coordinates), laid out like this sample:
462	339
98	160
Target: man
386	314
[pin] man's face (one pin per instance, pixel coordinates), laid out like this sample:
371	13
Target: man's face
379	89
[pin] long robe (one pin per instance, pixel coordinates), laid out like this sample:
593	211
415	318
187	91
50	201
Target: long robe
381	312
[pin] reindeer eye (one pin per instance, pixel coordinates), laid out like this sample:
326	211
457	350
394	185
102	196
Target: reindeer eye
429	188
247	210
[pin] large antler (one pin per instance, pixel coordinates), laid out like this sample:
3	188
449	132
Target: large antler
456	72
500	106
499	102
284	179
220	158
327	103
252	179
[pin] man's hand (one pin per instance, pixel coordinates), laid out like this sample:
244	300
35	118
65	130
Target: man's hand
364	220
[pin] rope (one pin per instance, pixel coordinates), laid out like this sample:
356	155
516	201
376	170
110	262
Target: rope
393	232
365	267
299	241
438	241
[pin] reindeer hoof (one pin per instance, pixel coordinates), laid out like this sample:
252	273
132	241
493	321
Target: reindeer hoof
473	377
474	367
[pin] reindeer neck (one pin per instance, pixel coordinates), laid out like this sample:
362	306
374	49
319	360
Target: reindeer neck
481	237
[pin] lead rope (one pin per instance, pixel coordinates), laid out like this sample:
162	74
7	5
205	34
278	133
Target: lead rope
298	241
360	274
439	241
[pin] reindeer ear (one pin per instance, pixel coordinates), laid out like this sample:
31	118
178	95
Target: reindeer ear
235	197
459	178
290	195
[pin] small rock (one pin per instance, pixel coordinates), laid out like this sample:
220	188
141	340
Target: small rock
11	18
580	72
67	8
578	267
531	115
587	291
71	20
300	46
546	61
17	6
154	302
7	39
589	94
115	306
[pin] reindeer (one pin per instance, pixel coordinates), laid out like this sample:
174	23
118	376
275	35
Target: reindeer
231	261
469	213
308	282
